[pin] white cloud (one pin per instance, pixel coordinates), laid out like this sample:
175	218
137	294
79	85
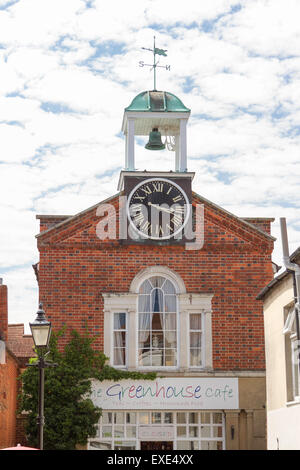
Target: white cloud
64	85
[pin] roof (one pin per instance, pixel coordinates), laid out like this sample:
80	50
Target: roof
157	101
295	257
247	225
19	344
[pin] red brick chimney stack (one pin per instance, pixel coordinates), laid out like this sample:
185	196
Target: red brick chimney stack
3	311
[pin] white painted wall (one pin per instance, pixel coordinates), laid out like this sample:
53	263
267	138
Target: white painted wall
284	428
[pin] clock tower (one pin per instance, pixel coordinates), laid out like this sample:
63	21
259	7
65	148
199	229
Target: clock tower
158	203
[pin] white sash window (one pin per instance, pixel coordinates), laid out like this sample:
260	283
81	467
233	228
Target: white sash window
157	324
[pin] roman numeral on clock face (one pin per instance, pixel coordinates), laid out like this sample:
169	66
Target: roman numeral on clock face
158	208
158	187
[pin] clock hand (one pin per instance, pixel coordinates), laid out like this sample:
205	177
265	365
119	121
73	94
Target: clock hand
170	211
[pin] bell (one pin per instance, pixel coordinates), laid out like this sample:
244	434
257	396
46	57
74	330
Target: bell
155	142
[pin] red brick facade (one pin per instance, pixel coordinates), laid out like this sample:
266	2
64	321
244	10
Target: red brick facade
8	401
3	312
18	349
235	262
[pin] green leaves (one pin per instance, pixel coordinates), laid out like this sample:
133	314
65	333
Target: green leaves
70	416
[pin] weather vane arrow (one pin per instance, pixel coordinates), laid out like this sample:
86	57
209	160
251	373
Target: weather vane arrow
156	51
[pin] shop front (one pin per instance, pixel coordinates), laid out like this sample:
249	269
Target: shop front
164	414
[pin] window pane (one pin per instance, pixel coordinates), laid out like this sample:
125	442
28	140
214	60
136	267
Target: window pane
195	340
217	418
157	320
119	356
157	301
106	418
131	418
144	339
181	431
168	418
205	431
119	418
156	418
106	431
98	445
217	431
131	431
170	321
119	321
181	418
205	418
144	303
170	357
157	358
145	321
187	445
157	281
168	287
119	339
195	321
157	340
170	339
119	431
193	431
145	288
195	357
211	445
193	418
144	418
170	303
145	357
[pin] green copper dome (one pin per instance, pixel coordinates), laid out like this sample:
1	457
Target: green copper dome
159	101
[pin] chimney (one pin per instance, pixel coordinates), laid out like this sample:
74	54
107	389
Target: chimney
3	311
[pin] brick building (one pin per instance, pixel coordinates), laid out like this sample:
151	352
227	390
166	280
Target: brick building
15	350
158	298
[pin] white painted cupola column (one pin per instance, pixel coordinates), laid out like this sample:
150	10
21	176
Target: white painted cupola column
157	110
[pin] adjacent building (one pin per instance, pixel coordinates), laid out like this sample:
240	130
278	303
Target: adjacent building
15	351
282	360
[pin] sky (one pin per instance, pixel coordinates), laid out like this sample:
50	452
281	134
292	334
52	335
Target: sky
68	68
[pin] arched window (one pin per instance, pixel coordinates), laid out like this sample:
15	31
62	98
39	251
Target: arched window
157	323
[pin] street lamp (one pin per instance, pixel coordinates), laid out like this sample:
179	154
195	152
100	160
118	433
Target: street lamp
41	332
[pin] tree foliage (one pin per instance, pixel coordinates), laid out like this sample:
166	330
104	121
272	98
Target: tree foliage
70	415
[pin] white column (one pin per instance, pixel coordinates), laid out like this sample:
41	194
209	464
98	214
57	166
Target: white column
177	155
130	165
183	146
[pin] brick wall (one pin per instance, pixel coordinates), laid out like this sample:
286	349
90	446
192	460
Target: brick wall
234	264
8	401
3	312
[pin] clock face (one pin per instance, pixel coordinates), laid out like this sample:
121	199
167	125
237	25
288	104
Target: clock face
158	209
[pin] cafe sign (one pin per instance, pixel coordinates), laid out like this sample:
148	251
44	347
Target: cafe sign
167	393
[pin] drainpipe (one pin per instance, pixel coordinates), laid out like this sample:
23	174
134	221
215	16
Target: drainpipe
295	268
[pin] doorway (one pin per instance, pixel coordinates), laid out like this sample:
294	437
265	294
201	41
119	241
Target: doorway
156	445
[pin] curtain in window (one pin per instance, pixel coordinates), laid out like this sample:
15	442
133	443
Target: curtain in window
157	321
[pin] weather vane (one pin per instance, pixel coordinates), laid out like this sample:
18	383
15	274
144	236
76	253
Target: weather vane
156	51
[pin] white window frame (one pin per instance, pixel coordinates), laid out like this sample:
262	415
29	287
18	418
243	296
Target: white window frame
186	303
288	330
178	348
202	340
121	366
112	440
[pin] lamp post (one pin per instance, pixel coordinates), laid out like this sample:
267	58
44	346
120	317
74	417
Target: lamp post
41	332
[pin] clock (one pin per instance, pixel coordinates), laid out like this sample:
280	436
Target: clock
158	209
